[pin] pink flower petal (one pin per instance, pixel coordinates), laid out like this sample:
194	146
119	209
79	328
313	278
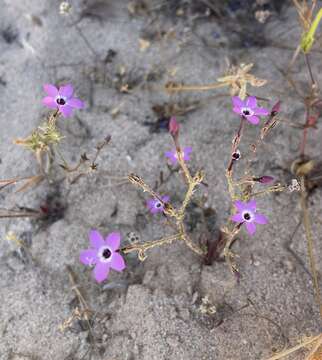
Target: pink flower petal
101	271
251	205
261	111
117	263
186	153
155	210
165	198
171	156
150	203
237	102
66	110
96	239
75	103
113	241
88	257
50	102
251	228
237	218
187	150
251	102
66	91
237	110
51	90
240	205
260	219
168	154
253	119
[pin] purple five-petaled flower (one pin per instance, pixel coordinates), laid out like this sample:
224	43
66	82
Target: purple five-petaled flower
249	109
62	99
173	156
155	206
103	254
247	215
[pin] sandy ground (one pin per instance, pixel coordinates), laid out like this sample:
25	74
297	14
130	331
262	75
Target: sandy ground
152	310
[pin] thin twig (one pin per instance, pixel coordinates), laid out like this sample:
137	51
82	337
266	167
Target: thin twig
141	248
295	348
308	233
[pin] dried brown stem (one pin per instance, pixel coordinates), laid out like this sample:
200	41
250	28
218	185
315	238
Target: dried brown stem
76	289
309	238
295	348
138	181
271	189
236	142
178	215
4	213
229	171
316	348
141	248
308	64
229	256
176	88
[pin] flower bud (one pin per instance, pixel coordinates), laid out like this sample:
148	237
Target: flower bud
265	179
276	109
173	126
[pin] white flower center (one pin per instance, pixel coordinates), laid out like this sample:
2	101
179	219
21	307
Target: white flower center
247	216
104	254
61	100
247	111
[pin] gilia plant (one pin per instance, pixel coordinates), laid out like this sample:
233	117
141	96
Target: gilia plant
44	141
106	254
175	216
243	193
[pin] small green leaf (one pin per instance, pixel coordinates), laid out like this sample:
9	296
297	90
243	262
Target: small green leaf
308	38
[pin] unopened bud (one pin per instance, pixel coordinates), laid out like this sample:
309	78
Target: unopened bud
265	179
173	126
276	109
108	138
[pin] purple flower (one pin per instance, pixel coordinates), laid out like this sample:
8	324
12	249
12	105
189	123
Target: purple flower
173	156
155	205
247	214
248	109
61	99
103	254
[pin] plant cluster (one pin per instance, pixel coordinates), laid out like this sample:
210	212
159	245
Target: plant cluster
108	253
